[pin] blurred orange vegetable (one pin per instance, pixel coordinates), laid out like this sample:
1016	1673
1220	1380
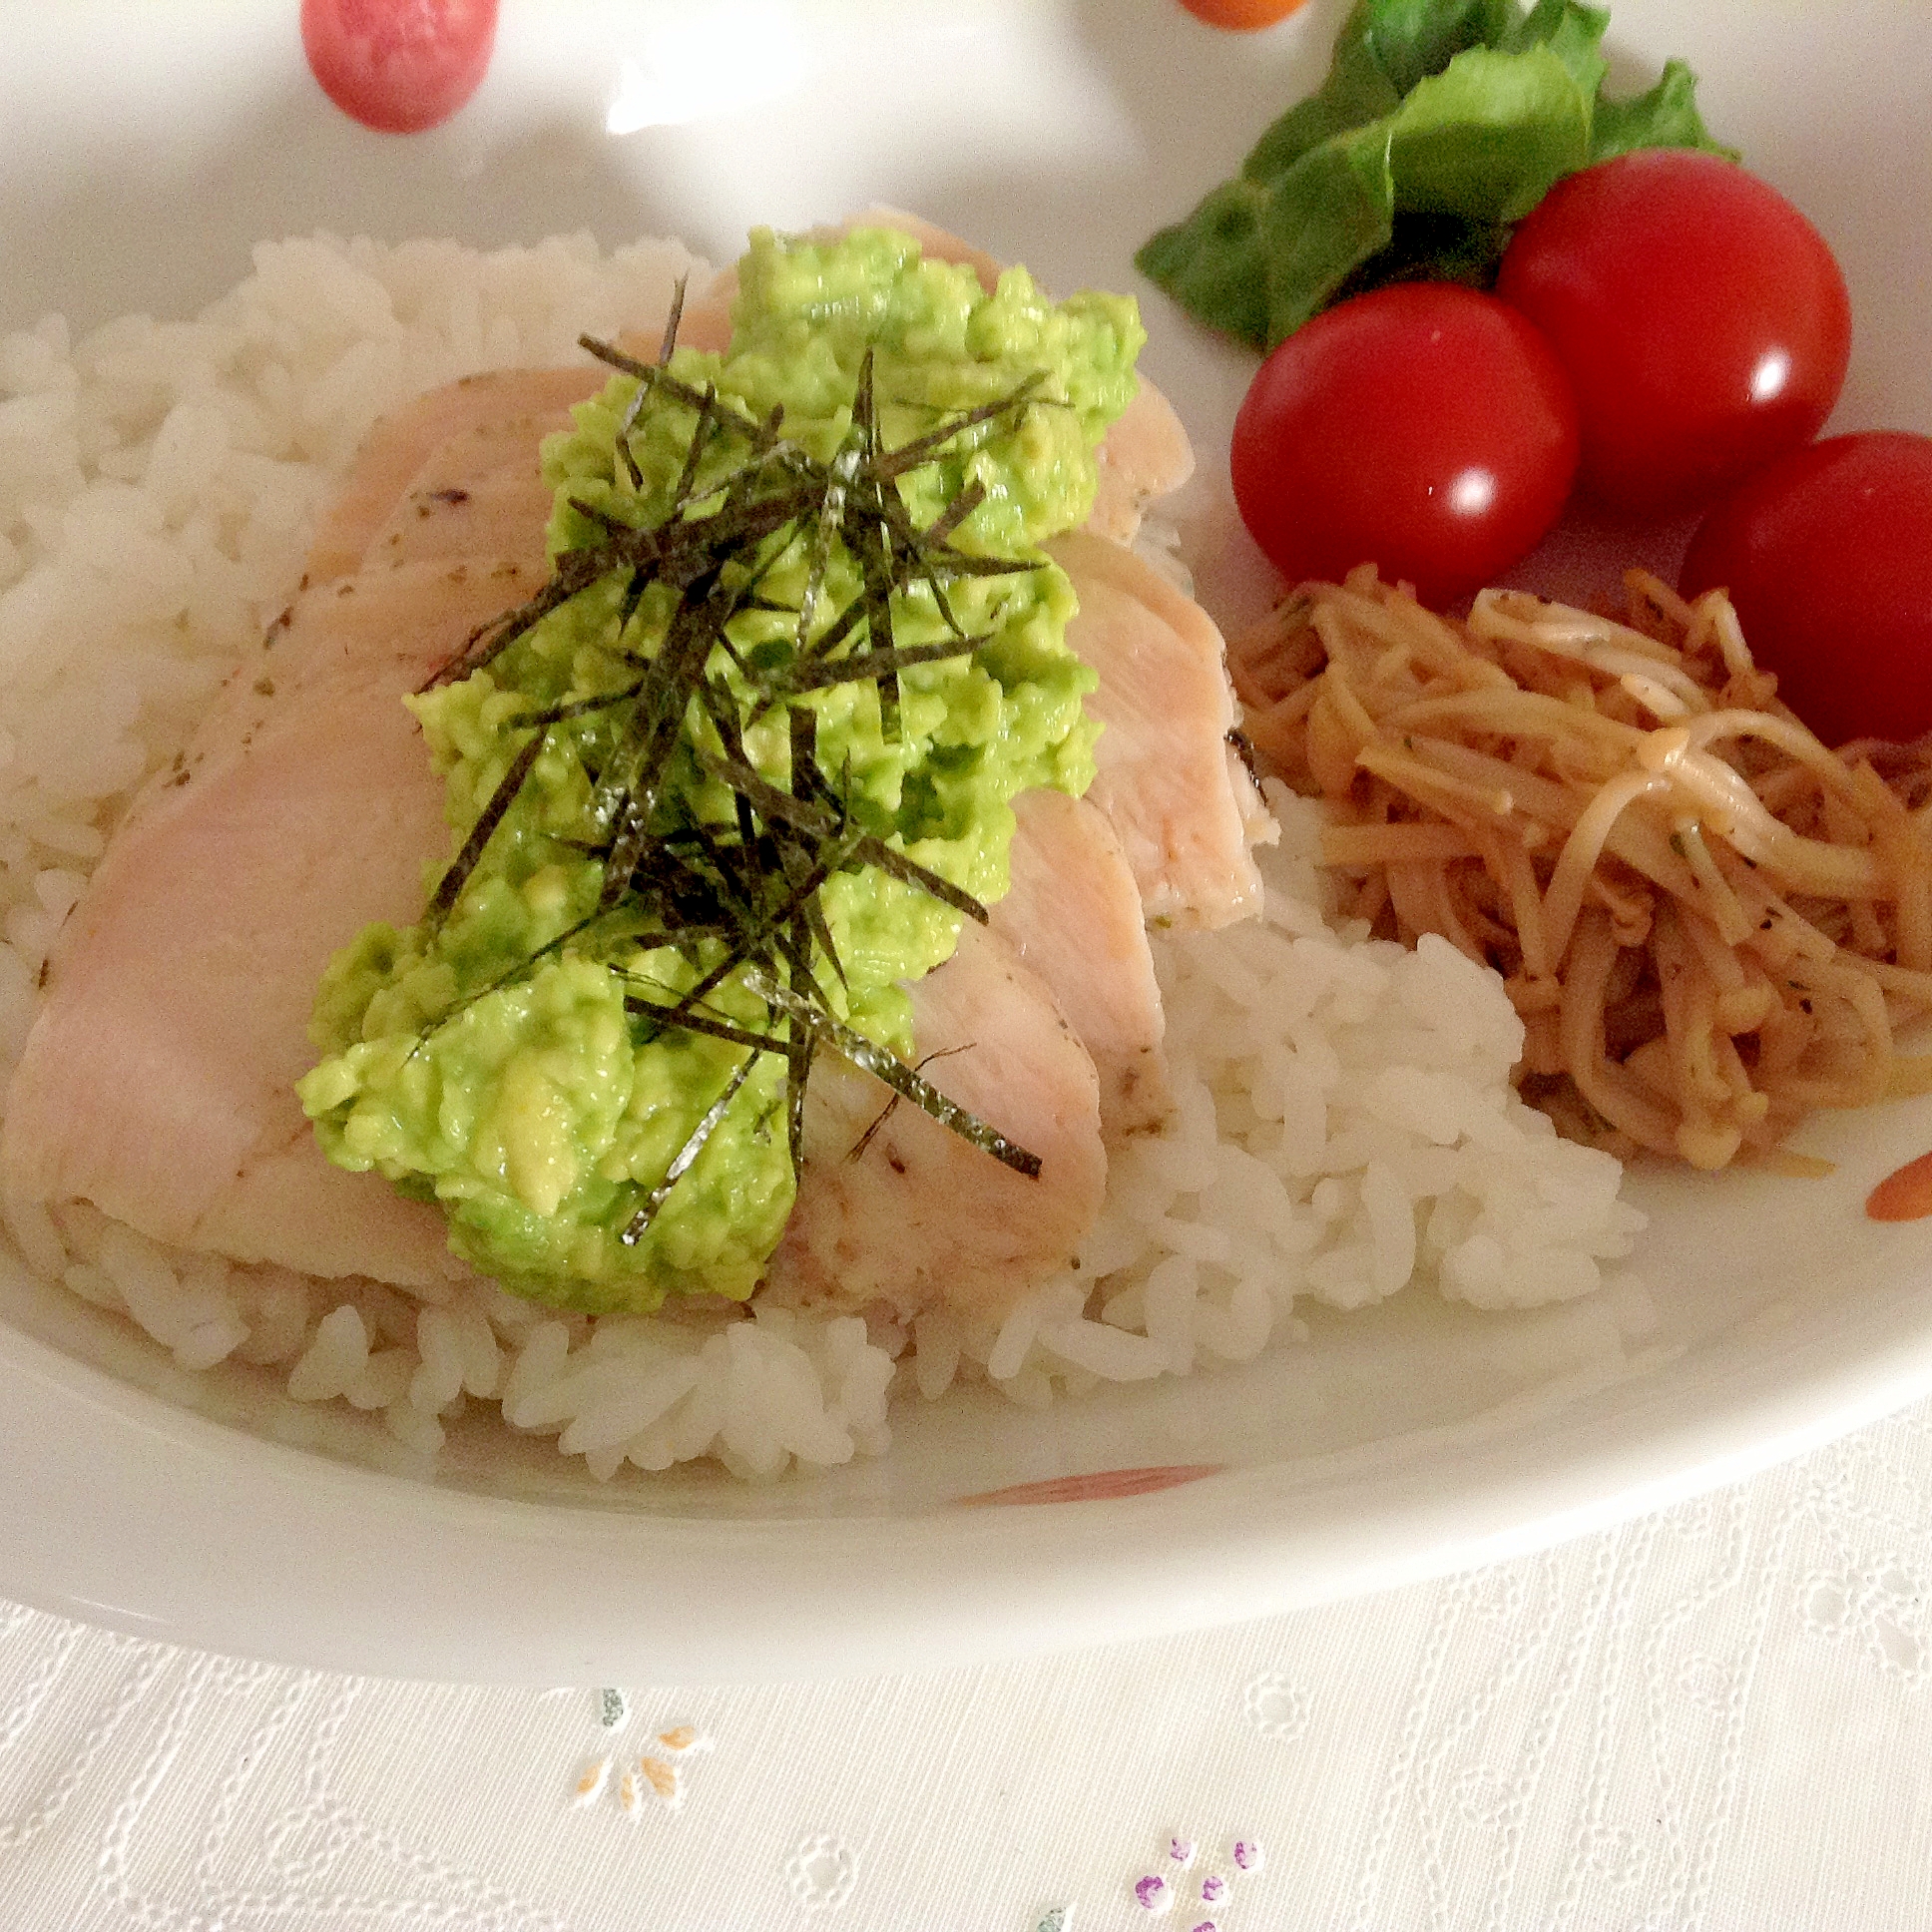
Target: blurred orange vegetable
1244	16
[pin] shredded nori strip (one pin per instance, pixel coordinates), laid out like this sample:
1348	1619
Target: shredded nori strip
856	1152
451	887
782	807
747	888
885	1065
634	1230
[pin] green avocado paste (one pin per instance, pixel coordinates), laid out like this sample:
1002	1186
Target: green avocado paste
736	776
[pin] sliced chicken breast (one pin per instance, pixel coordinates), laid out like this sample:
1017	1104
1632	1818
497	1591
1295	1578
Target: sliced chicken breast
159	1079
908	1213
479	494
393	454
1073	915
1169	782
1144	456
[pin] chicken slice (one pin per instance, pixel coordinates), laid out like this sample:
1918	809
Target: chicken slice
480	494
1073	915
158	1078
1169	781
916	1215
1145	454
396	450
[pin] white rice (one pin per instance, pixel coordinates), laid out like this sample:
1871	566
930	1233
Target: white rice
1345	1125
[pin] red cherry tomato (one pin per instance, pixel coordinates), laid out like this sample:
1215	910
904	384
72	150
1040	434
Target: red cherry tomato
1827	556
398	66
1244	16
1703	320
1424	428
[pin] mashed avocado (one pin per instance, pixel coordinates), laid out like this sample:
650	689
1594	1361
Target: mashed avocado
500	1057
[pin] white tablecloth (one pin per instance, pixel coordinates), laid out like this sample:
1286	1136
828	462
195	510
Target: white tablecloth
1718	1718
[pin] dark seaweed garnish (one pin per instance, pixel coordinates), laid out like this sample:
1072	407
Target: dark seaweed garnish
742	893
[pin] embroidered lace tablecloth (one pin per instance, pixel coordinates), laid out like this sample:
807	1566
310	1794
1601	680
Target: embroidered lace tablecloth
1717	1717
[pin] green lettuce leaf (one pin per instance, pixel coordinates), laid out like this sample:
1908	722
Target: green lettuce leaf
1331	211
1412	39
1358	91
1487	137
1441	124
1665	117
1572	31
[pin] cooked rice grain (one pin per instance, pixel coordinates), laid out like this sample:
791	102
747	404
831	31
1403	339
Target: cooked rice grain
1345	1125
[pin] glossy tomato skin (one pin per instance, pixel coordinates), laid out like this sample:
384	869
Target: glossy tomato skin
1827	556
1424	428
1243	16
398	66
1702	319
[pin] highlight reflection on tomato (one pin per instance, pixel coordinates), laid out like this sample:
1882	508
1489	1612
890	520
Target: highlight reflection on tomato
1703	320
1425	428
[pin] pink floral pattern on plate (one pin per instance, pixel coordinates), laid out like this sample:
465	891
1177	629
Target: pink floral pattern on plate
1098	1486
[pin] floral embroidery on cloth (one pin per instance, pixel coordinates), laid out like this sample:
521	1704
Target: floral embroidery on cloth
1162	1890
821	1873
656	1774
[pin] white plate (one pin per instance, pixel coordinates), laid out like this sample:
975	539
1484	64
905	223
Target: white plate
142	151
